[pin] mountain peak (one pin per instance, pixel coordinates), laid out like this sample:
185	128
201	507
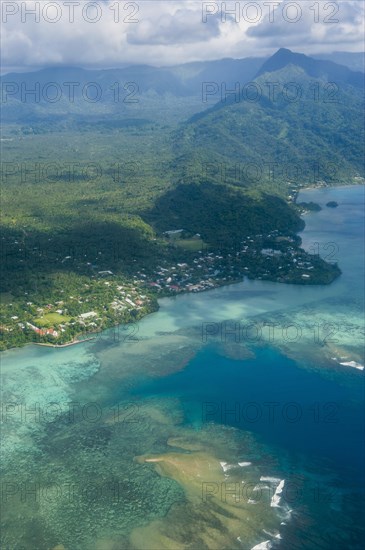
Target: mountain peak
315	68
282	58
283	51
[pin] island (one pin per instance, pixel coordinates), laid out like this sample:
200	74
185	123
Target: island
332	204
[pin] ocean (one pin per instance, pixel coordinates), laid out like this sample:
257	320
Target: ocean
228	419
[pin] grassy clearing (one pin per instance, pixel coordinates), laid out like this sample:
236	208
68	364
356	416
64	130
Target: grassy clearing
193	245
6	297
51	319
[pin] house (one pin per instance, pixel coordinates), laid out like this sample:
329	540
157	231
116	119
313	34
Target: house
88	315
193	288
50	332
43	332
174	233
270	252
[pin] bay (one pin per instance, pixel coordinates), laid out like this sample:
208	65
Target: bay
249	373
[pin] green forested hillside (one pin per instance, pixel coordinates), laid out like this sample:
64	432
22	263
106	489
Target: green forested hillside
222	215
288	126
86	200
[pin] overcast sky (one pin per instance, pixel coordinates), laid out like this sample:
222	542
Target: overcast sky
112	33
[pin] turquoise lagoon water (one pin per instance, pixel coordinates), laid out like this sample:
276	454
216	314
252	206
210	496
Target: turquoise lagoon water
251	373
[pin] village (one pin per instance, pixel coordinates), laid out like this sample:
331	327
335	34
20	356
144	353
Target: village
108	299
284	261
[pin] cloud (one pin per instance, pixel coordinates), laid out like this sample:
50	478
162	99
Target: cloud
181	27
302	24
167	32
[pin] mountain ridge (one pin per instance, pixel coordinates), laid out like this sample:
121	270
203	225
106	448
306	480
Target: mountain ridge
321	124
313	67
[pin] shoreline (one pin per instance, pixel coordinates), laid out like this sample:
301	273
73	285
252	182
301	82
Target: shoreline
174	296
226	284
67	344
74	342
315	187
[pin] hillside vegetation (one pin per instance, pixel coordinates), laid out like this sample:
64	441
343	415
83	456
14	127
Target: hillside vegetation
89	193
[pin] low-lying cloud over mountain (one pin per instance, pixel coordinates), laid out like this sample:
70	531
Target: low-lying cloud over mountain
105	33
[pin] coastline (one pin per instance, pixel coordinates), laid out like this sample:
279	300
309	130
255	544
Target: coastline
182	293
186	292
67	344
156	412
328	187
